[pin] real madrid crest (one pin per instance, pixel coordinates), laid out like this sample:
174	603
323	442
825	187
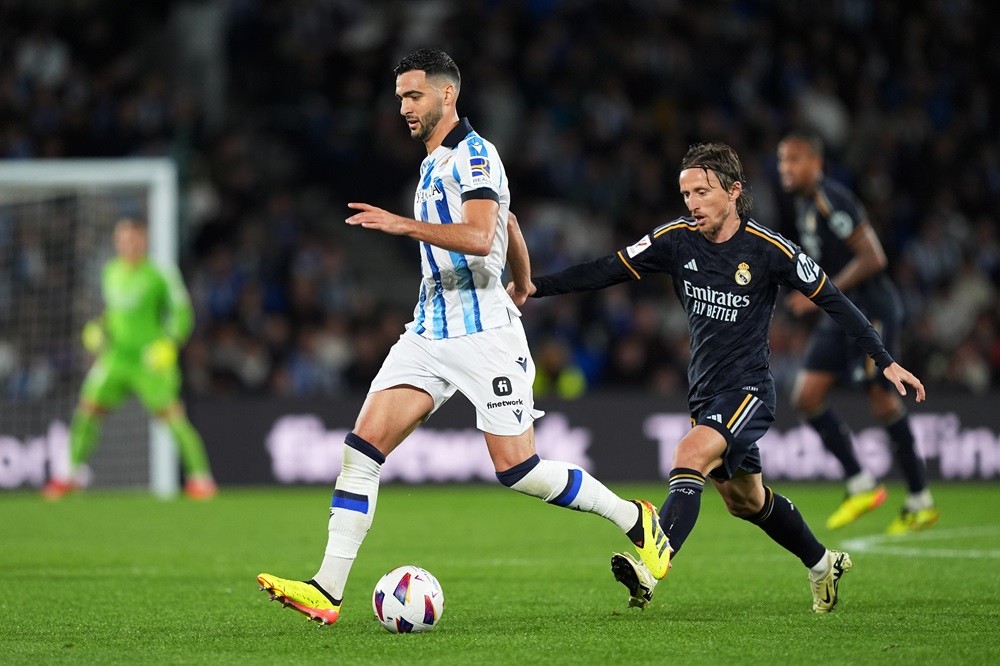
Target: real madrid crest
743	273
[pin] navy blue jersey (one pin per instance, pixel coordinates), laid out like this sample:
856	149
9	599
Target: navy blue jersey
728	291
825	220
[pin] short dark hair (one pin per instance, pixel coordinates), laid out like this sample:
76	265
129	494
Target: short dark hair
433	62
723	160
813	140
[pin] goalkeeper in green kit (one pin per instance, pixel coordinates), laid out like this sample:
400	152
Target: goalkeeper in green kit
147	314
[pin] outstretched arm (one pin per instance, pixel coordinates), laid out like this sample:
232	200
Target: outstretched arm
474	235
589	276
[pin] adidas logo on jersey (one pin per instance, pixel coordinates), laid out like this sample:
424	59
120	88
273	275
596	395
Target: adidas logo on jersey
691	266
715	417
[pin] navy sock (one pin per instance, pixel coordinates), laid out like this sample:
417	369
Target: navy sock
906	453
781	521
680	510
837	440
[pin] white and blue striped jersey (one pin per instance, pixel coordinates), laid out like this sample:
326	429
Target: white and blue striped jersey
461	294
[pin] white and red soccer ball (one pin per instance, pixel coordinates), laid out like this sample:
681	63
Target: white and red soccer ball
408	599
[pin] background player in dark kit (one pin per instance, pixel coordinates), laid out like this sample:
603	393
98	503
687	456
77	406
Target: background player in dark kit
834	230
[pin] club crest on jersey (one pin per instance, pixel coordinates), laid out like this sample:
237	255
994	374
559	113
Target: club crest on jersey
639	246
806	268
743	276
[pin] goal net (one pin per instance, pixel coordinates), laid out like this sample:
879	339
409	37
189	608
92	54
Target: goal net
56	223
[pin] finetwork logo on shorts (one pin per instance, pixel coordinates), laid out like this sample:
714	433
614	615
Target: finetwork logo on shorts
502	386
504	403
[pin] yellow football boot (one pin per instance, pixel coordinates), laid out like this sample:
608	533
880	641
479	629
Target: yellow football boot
826	589
305	597
654	548
855	506
913	521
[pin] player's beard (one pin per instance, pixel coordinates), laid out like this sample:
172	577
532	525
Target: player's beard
712	229
428	123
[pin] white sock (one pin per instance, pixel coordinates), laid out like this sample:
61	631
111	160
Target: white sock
861	482
921	500
351	513
821	568
567	485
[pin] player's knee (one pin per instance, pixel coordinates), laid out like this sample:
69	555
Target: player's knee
696	457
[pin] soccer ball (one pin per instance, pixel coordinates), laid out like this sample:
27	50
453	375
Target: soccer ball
408	599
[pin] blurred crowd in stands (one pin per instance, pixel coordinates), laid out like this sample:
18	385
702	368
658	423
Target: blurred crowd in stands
279	112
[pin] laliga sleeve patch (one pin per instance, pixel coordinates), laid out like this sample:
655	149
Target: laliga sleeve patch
806	268
479	167
640	246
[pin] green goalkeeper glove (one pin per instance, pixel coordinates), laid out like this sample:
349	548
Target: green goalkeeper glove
93	336
160	355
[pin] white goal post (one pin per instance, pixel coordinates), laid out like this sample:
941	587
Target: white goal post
27	182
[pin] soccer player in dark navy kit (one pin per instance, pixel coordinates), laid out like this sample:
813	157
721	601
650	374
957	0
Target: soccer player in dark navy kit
726	271
834	230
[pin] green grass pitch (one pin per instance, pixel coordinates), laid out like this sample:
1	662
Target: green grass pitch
104	578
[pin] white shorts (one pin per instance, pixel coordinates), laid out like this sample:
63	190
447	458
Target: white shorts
493	369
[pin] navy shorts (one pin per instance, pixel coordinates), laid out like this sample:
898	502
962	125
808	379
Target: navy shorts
832	350
742	418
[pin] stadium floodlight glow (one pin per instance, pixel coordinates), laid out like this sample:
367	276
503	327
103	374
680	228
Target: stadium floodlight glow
66	209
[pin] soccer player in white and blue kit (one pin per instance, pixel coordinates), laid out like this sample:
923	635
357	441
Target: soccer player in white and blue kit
465	336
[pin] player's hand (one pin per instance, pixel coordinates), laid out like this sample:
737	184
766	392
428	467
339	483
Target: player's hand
372	217
520	294
799	305
160	355
93	336
899	376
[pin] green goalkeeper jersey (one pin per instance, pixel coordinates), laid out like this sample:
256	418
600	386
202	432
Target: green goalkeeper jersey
144	303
